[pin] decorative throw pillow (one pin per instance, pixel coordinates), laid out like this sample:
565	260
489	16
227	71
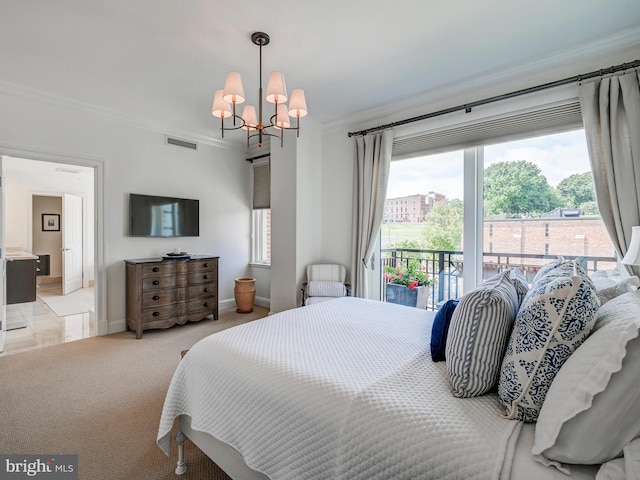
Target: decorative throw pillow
592	409
440	330
478	334
556	316
547	267
323	288
520	282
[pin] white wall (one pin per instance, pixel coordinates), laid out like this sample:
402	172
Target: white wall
47	242
136	159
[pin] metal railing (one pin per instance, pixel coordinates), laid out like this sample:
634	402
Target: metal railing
445	267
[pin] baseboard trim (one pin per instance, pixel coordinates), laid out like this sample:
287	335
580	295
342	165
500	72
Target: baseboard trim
230	303
227	305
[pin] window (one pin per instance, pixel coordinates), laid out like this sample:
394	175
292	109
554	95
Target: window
262	237
488	230
261	221
435	237
541	190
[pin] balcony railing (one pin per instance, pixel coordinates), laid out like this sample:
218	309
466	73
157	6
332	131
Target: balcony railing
446	267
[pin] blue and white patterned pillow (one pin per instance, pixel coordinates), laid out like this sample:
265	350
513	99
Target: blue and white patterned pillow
546	268
555	317
478	335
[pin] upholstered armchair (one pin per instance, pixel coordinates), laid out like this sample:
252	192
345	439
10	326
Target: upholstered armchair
324	282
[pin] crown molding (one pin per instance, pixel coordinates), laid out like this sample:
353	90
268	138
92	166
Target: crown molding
39	96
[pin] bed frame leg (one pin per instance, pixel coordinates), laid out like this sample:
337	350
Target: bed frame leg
181	468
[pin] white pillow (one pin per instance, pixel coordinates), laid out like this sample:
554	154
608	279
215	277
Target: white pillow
605	278
555	317
478	333
520	282
630	284
324	288
592	409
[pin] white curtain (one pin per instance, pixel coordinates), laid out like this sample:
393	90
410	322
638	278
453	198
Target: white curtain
370	176
611	113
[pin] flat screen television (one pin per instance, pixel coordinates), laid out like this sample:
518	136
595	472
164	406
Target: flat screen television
154	216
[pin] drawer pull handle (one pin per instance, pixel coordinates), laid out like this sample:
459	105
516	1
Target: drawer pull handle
156	297
206	265
156	282
155	314
205	276
205	290
156	269
206	304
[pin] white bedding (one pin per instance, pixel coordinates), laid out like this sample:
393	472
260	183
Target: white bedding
344	389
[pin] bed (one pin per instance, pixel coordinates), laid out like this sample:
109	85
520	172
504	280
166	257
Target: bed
344	389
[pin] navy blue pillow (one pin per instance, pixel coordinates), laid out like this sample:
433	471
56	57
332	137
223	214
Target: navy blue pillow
440	329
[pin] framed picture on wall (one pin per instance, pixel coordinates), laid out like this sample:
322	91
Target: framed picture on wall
50	222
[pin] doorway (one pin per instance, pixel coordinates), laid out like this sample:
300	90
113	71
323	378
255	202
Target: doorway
58	225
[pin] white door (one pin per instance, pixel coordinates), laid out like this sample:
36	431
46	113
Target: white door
71	243
3	283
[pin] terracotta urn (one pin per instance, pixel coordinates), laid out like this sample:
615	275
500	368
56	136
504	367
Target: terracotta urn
245	294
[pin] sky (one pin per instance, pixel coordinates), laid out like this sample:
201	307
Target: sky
557	156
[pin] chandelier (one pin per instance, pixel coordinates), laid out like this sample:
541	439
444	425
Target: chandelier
225	101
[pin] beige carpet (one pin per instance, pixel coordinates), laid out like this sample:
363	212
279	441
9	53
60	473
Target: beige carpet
80	301
101	398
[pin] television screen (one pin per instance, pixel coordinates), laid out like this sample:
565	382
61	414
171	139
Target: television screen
153	216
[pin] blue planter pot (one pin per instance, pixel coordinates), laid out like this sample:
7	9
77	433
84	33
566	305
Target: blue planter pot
405	296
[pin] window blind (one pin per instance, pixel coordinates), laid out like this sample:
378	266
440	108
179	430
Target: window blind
509	127
261	186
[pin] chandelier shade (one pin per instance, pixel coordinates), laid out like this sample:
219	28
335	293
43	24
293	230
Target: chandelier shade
233	89
297	104
220	108
282	117
251	120
276	88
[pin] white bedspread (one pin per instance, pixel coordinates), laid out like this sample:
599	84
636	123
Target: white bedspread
344	389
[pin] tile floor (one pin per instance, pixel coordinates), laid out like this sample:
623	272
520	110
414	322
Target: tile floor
43	328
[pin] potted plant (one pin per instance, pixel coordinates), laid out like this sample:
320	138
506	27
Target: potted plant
407	285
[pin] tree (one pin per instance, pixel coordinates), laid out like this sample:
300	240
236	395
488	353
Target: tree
577	189
442	228
517	188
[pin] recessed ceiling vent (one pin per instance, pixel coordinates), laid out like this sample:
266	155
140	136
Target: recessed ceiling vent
182	143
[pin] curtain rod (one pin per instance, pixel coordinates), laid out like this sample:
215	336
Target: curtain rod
468	106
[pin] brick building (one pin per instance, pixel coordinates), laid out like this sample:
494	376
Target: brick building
412	208
585	237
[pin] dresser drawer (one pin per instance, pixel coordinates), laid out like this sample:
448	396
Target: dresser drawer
160	297
160	268
158	282
154	314
202	265
196	278
204	290
201	305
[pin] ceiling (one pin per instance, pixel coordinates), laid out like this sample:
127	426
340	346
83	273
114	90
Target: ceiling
158	63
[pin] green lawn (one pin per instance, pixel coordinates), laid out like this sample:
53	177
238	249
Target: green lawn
397	232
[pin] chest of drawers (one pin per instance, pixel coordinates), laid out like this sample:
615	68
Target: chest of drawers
162	293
